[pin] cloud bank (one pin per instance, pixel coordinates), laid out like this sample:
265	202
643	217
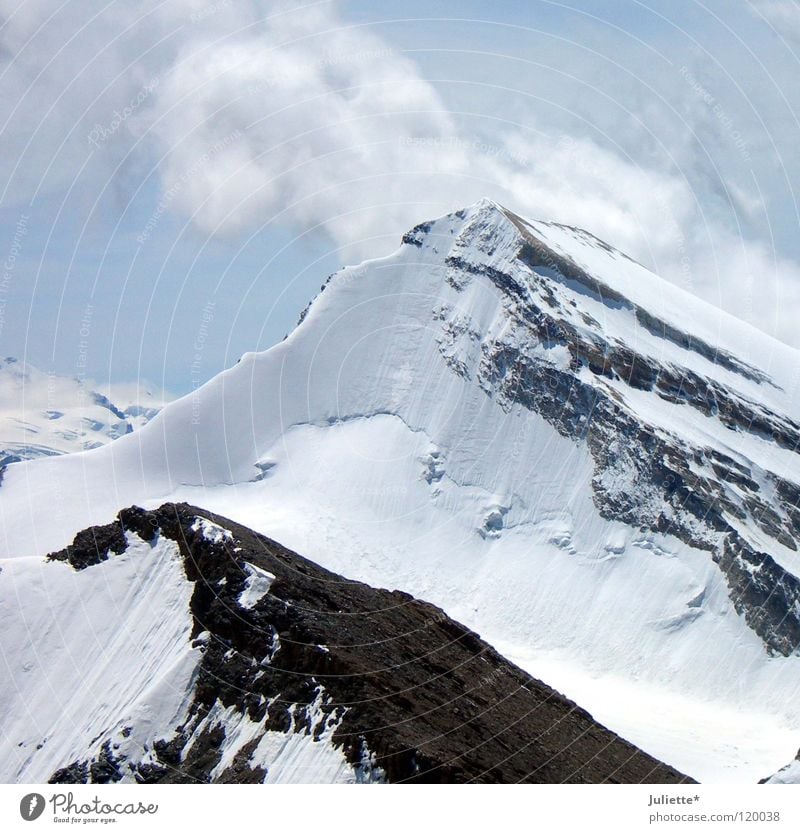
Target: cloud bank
245	116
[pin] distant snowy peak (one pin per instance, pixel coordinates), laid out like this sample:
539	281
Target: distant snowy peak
44	414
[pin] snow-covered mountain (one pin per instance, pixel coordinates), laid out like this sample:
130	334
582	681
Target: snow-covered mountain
589	467
231	659
44	414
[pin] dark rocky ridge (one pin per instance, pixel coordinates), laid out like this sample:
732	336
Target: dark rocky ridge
693	492
412	695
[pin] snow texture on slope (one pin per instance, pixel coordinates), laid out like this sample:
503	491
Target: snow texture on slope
90	654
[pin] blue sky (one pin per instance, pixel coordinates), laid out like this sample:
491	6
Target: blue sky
265	144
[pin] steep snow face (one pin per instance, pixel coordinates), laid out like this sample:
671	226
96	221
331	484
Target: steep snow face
101	652
43	414
591	468
103	678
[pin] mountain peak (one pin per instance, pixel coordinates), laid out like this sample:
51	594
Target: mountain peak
484	203
507	403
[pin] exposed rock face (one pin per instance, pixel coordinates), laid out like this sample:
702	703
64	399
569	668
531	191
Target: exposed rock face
645	474
394	687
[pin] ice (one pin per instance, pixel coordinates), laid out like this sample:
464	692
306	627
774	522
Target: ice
257	586
790	774
211	531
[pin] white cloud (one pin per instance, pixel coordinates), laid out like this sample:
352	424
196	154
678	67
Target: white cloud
337	130
320	122
298	117
784	15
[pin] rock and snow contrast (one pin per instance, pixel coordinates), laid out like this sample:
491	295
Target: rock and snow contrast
592	469
229	658
44	414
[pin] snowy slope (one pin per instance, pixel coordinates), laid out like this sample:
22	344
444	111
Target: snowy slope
100	668
591	468
44	414
119	657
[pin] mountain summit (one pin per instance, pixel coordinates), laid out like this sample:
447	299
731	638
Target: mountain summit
593	469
